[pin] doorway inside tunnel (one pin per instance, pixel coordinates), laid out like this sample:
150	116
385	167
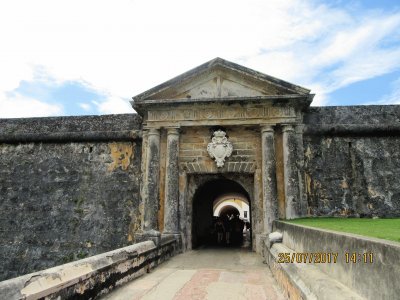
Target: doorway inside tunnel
221	215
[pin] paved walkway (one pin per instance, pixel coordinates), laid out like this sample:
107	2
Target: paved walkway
205	274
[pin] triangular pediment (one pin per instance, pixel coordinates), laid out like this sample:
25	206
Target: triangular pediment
219	78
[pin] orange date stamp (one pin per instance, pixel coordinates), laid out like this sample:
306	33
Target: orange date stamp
308	257
325	257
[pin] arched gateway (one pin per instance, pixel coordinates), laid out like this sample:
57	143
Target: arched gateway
209	188
221	121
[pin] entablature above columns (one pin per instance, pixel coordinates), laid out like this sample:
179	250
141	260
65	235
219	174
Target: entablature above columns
262	110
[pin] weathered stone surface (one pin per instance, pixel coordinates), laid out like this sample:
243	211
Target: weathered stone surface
270	197
71	124
291	180
274	237
91	277
151	180
363	114
171	222
61	202
355	174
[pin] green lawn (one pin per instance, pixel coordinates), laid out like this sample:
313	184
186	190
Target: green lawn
388	229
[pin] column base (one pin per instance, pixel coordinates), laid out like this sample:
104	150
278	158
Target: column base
260	242
165	236
149	235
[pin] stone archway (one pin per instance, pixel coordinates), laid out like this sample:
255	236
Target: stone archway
236	201
261	118
203	190
228	210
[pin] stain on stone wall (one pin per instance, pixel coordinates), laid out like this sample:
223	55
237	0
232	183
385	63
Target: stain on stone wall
121	155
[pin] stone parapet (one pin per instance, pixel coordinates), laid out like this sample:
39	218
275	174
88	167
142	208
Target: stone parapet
65	137
118	122
372	280
91	277
352	130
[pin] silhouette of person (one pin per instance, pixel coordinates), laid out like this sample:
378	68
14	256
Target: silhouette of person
220	229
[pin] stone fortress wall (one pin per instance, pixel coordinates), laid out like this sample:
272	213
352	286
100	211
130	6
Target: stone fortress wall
352	160
70	186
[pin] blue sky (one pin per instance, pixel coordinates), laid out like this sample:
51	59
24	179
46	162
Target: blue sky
90	57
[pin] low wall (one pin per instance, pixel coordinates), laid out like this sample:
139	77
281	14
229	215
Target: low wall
376	280
90	277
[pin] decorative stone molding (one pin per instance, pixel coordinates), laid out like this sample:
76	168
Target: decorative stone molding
221	113
219	148
200	167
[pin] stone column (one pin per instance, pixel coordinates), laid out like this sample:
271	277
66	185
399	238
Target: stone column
143	188
183	228
151	181
171	221
300	170
258	215
270	200
292	197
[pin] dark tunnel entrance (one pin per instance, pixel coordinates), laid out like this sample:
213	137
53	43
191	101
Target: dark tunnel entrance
225	200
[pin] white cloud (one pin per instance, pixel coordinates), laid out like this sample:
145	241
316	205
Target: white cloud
393	97
85	106
114	105
122	48
18	106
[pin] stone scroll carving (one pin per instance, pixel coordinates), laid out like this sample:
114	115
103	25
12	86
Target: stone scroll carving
219	148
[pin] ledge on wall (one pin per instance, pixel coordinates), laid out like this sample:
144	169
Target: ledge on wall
92	276
341	278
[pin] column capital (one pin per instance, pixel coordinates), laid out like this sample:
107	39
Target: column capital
153	131
287	127
267	128
173	130
299	128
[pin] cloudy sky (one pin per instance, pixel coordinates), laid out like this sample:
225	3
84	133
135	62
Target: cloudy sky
90	57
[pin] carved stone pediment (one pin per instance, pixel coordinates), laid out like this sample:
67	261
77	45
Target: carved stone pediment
219	148
219	78
194	95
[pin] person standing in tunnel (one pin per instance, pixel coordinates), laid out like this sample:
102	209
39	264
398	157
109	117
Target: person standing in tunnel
238	226
228	229
220	229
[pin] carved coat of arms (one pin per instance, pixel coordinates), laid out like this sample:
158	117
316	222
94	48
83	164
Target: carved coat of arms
219	148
